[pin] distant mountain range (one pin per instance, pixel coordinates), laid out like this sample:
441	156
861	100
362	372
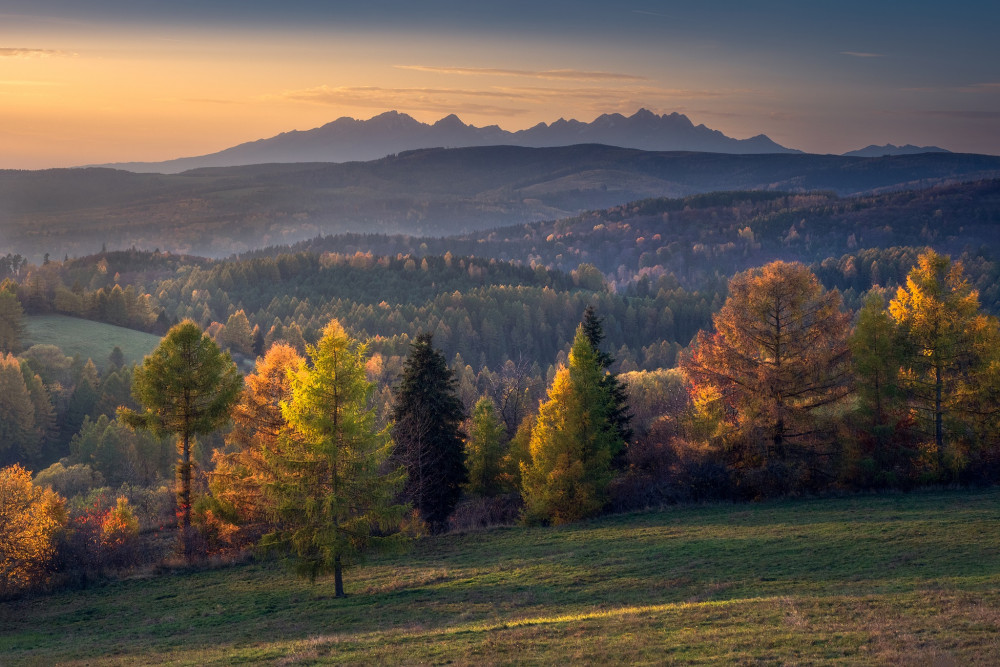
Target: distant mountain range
350	140
427	192
890	149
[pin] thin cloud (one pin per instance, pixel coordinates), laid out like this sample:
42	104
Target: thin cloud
961	115
8	52
422	99
862	54
573	74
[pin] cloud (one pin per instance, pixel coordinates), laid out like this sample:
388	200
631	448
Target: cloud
422	99
8	52
580	75
862	54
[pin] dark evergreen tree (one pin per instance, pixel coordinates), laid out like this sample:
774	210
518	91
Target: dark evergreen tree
620	416
427	418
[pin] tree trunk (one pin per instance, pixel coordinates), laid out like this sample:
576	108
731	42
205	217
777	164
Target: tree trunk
938	417
338	578
184	496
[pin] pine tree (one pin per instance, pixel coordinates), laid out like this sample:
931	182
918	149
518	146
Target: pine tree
427	432
10	322
573	442
186	387
330	495
18	435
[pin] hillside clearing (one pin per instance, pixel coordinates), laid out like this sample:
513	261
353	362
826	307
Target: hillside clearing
890	578
91	340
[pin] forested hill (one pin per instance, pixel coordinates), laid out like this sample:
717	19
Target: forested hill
429	192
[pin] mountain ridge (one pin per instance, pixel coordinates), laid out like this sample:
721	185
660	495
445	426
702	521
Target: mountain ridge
351	140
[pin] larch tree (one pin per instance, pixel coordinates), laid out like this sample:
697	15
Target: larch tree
18	433
573	442
239	475
331	494
779	353
485	450
953	364
186	387
11	325
30	519
427	430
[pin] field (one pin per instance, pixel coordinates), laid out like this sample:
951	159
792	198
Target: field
92	340
911	579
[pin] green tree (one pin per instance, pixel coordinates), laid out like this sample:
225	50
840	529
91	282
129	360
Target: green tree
954	349
485	449
878	351
331	495
428	435
620	416
237	334
10	322
19	438
186	387
573	442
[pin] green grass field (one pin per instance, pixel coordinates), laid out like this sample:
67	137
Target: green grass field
901	579
91	340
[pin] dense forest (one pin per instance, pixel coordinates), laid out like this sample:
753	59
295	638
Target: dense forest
735	345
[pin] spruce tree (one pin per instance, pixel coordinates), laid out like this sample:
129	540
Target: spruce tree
428	434
620	415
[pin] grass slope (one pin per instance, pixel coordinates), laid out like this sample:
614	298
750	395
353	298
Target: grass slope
91	340
875	579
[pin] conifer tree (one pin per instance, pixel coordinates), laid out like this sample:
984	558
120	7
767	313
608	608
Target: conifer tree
186	387
621	417
330	495
779	352
484	450
18	435
573	442
11	316
240	475
428	435
951	373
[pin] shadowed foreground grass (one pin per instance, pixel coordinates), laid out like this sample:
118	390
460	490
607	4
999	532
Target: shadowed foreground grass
910	579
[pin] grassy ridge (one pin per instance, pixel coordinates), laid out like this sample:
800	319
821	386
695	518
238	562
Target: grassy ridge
899	578
91	340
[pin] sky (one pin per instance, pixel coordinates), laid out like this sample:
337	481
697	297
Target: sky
97	81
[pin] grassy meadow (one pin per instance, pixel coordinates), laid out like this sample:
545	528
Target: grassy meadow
91	340
910	579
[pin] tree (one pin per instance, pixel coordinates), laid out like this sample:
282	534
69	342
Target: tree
330	495
484	450
950	368
778	354
186	387
30	519
237	334
573	442
427	432
620	416
10	322
239	476
18	436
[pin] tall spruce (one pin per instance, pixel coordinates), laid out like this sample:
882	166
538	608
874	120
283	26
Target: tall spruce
186	387
330	490
427	430
620	416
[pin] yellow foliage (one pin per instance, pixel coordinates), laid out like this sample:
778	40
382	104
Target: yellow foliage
30	519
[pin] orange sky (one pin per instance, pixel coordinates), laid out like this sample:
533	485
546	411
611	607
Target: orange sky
82	91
